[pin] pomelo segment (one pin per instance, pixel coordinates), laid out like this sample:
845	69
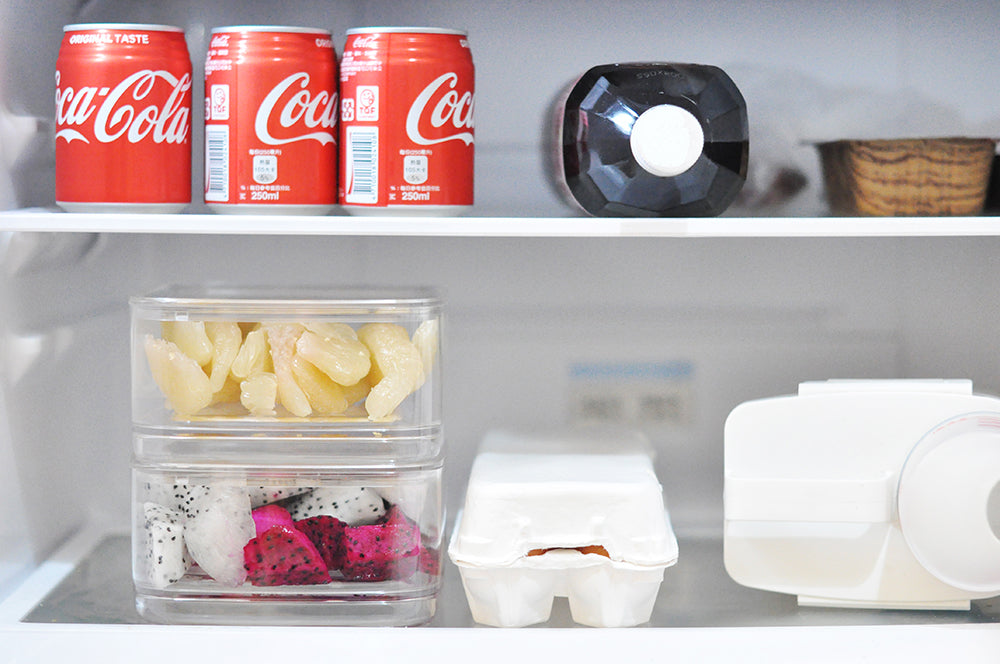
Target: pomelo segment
325	396
397	368
226	340
180	378
253	356
259	393
335	350
281	338
191	337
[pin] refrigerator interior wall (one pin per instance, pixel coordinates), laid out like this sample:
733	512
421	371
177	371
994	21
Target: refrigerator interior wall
666	335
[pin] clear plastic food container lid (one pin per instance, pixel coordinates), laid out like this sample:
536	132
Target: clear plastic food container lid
529	495
175	301
303	452
362	359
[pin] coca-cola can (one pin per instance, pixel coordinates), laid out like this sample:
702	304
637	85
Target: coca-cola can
123	118
406	116
271	120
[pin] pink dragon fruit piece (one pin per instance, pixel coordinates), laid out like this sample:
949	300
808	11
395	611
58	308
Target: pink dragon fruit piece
381	551
429	558
327	534
429	561
271	515
283	556
394	515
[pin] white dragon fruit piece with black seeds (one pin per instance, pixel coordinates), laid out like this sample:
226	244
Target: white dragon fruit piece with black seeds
164	558
265	495
218	526
177	497
352	505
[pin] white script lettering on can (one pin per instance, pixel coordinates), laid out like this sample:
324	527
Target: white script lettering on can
117	117
319	110
458	108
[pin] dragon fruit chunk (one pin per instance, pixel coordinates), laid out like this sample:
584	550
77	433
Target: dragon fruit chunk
395	515
381	551
428	558
429	561
270	515
352	505
265	495
175	497
179	497
327	535
164	559
283	556
218	526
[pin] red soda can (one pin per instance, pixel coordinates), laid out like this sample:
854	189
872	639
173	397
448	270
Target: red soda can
271	120
406	115
123	118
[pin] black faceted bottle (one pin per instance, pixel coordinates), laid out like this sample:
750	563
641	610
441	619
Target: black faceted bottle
652	140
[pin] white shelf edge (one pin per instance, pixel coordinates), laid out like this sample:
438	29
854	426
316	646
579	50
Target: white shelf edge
721	227
153	644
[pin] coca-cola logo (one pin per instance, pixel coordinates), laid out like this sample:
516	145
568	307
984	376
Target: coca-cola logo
365	42
290	105
219	41
120	113
438	109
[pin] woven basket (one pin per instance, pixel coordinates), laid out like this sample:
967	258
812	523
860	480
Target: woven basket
907	177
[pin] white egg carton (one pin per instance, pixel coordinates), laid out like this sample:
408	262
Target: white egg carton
570	515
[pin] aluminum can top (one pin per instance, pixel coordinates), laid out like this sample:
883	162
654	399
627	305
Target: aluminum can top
79	27
407	30
270	28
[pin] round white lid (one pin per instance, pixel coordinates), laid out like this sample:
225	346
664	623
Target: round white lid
944	504
666	140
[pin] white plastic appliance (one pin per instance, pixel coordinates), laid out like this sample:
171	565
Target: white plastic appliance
874	494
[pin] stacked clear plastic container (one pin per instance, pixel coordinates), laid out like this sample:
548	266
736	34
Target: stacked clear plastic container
287	456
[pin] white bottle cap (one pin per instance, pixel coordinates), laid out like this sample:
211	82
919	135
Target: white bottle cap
666	140
944	498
